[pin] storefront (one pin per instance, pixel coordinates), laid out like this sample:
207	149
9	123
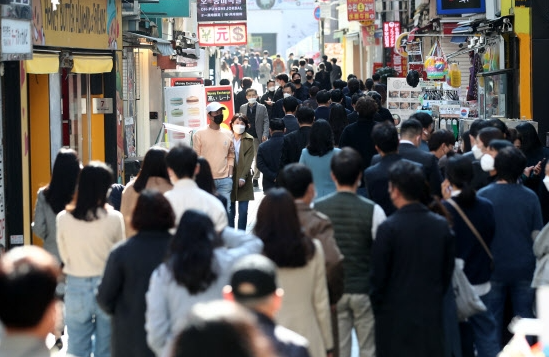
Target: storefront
68	95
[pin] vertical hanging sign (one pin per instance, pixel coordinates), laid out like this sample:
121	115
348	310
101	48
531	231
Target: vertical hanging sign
391	31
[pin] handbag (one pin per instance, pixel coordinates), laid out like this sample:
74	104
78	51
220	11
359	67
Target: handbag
468	302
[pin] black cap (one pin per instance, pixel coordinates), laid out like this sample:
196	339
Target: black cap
253	277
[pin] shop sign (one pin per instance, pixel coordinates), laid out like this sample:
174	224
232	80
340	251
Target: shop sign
361	10
222	34
77	24
102	105
223	95
16	39
166	8
458	7
221	10
391	31
368	33
179	82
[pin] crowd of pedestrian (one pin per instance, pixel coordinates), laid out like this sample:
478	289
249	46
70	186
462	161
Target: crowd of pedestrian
359	230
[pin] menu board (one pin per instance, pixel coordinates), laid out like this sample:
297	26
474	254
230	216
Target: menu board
402	99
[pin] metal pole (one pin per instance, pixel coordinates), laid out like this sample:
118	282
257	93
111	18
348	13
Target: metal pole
321	49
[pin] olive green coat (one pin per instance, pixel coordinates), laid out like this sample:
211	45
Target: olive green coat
244	170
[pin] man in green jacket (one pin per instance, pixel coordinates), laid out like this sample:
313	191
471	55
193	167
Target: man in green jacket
355	220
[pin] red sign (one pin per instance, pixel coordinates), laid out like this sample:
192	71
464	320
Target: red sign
178	82
361	10
222	34
377	65
223	95
400	64
391	30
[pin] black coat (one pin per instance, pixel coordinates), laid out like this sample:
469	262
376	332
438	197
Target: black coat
240	98
122	290
412	264
293	145
376	180
268	159
290	123
285	342
278	108
427	160
359	136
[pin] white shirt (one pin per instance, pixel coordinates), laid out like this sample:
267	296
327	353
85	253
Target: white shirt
236	143
187	195
377	218
407	142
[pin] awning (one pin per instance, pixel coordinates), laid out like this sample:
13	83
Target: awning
92	64
164	46
43	63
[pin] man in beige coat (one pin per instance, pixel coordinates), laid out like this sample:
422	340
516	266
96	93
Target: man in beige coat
298	180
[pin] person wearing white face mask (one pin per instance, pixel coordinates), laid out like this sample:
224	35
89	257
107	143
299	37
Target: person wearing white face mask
242	191
258	118
483	165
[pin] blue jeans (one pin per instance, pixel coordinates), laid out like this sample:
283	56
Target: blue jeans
485	332
85	319
242	214
224	187
522	299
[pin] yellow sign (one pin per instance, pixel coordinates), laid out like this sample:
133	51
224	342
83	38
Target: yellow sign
92	24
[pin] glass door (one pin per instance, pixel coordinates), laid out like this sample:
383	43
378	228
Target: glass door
79	114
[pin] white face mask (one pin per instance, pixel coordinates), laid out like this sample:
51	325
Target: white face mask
271	89
239	128
286	95
487	163
252	100
546	182
477	152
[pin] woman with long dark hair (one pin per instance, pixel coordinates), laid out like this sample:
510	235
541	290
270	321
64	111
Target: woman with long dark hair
128	271
152	176
195	270
338	121
86	233
317	156
54	197
480	212
301	271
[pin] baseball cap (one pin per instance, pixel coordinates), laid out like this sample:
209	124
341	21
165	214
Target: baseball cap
253	277
214	107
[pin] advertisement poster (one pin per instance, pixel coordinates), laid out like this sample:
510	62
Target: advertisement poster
361	10
222	34
184	107
391	31
227	10
223	95
402	99
280	4
334	50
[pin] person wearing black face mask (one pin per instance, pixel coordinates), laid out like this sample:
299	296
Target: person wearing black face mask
310	82
301	92
215	144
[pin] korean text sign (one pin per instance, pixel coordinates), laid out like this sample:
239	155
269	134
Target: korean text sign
361	10
221	10
222	34
391	30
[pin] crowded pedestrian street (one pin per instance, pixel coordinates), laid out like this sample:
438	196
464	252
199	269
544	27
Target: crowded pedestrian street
260	178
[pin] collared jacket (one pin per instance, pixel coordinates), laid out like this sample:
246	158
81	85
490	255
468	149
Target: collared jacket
261	119
268	159
242	169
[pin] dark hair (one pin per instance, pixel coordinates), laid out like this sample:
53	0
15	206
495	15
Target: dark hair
497	123
154	165
295	178
230	325
376	96
334	60
28	280
356	97
191	256
408	178
291	86
498	144
459	173
336	95
279	228
321	139
338	121
277	124
204	179
224	82
424	118
513	134
249	90
296	74
410	128
476	126
529	138
241	117
509	164
313	91
366	108
309	70
305	115
466	141
349	76
302	62
153	212
346	165
290	104
282	77
339	84
361	85
182	160
60	190
381	89
94	183
324	57
353	85
323	96
270	81
369	84
247	82
376	77
440	137
385	137
488	134
208	82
